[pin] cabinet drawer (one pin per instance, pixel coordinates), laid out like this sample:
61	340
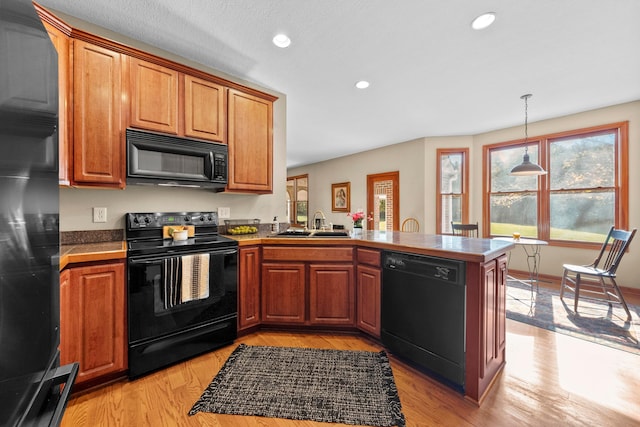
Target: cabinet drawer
309	253
368	256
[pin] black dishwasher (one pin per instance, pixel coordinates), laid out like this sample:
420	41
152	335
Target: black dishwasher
423	312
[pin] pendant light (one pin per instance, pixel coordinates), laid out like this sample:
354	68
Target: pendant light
526	168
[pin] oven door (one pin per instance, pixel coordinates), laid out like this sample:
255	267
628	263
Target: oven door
151	315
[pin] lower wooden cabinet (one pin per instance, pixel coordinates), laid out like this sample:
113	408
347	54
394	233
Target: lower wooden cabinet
248	287
283	293
331	295
368	290
368	282
93	320
494	315
311	285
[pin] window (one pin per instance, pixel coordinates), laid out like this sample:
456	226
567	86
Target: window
584	193
298	200
452	199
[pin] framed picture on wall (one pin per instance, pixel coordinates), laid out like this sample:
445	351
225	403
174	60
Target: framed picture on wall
340	197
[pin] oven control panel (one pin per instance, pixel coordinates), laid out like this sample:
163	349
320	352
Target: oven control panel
159	220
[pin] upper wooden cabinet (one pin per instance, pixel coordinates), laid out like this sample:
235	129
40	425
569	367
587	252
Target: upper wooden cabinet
153	95
110	86
98	140
205	109
250	143
165	100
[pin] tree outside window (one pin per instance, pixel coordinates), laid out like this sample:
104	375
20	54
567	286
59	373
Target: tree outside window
584	193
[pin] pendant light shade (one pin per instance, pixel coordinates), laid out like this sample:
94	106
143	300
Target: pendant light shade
527	168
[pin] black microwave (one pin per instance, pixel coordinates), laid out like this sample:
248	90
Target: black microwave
171	161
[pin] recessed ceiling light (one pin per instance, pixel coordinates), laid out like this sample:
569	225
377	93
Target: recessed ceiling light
281	40
362	84
483	21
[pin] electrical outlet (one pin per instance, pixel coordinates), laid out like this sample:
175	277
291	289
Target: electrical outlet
99	214
224	213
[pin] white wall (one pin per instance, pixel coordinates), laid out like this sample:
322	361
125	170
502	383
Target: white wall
408	158
417	158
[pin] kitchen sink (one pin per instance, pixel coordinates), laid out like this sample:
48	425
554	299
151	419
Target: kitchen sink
292	233
335	233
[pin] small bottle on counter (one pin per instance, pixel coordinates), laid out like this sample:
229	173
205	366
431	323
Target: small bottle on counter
275	226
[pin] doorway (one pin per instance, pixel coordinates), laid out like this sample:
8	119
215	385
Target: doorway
383	201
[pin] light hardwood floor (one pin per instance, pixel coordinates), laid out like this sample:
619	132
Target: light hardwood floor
549	380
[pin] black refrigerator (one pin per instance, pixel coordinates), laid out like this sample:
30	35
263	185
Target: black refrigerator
33	387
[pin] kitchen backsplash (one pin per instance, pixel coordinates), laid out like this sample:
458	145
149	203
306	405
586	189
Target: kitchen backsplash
91	236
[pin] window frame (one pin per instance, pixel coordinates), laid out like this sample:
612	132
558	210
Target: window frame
621	183
464	186
293	209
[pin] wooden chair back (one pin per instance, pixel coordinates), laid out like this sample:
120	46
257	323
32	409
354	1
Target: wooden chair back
411	225
466	230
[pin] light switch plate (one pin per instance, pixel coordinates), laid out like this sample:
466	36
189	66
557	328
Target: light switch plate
99	214
224	213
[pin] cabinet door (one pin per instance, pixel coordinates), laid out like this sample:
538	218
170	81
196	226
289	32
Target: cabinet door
501	321
249	287
98	146
205	112
368	297
96	308
493	322
61	43
283	293
250	142
331	295
69	350
154	97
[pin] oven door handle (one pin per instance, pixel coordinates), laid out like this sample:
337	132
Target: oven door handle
155	260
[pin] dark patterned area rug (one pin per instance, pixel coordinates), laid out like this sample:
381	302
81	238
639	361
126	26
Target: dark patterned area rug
595	320
336	386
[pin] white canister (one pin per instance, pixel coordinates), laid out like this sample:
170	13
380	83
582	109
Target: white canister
180	235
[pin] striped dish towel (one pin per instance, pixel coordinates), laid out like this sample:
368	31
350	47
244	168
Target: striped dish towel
195	277
171	281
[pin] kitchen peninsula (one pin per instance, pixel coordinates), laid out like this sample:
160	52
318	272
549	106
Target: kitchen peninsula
336	282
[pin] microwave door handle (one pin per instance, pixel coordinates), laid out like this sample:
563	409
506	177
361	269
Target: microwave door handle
212	168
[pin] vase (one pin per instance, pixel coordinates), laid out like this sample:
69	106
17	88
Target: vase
357	228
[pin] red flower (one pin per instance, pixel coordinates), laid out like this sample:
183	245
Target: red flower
358	216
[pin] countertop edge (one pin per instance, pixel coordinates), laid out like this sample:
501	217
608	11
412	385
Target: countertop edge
257	240
88	252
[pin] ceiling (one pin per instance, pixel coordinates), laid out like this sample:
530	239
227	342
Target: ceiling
430	73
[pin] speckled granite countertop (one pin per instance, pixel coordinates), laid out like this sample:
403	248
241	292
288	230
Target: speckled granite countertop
85	246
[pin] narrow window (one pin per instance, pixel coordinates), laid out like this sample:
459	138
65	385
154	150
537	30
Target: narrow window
298	200
452	200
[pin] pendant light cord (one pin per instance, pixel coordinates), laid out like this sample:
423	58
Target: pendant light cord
526	120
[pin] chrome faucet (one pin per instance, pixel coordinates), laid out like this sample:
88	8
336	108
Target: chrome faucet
319	223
